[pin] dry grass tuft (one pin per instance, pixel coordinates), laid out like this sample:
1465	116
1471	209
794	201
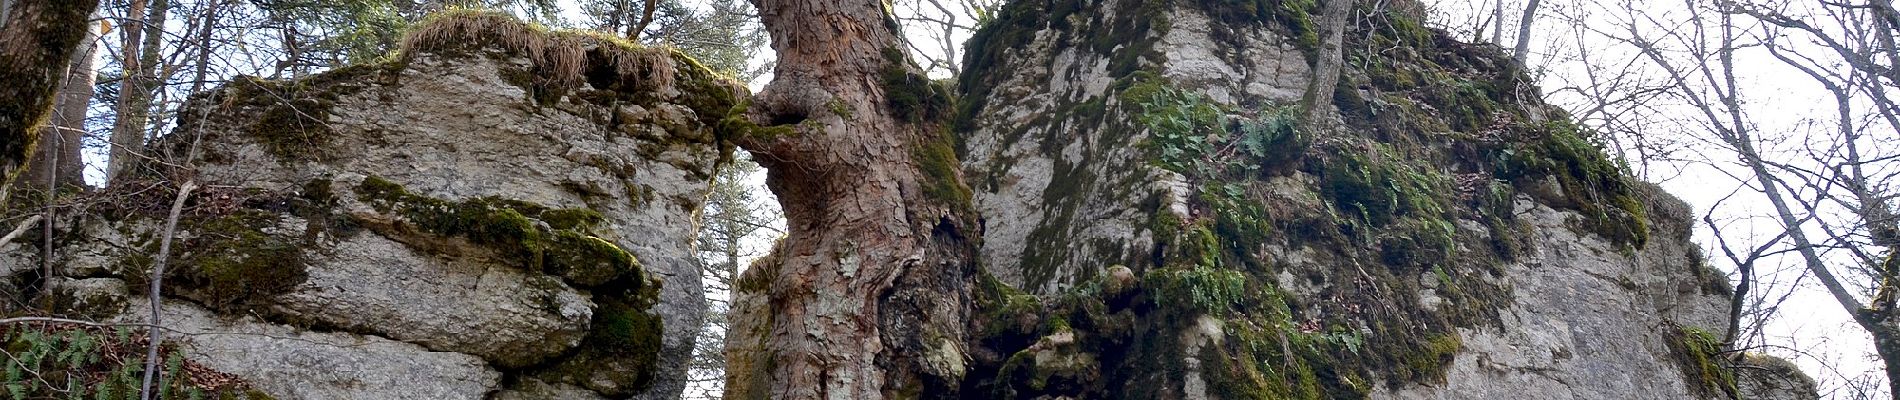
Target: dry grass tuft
563	58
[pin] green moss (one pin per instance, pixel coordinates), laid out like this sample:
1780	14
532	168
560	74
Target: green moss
291	116
60	361
620	354
228	263
936	158
555	241
1003	310
1700	357
911	96
1200	289
245	266
571	218
627	331
1381	187
1592	183
1406	28
1431	360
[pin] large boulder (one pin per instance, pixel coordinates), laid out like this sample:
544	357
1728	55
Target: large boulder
1154	204
501	209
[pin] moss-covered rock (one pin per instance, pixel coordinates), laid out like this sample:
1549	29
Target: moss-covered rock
555	241
1376	253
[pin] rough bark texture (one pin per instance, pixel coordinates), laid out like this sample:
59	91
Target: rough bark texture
870	287
1319	93
62	139
36	44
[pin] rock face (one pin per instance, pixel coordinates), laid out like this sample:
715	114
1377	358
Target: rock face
470	221
507	213
1154	207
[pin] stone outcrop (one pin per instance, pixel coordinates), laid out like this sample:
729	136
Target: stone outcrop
506	213
500	212
1155	209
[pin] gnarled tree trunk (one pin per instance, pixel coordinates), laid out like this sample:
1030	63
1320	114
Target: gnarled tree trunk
868	292
37	39
57	161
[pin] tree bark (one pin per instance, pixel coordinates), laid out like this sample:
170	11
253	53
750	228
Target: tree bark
1318	100
36	44
1497	23
869	291
1524	34
57	160
135	95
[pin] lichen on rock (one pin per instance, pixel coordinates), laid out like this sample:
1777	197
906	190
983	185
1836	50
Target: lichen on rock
522	235
1423	247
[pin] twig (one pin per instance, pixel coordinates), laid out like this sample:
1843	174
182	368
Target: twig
157	277
19	320
21	230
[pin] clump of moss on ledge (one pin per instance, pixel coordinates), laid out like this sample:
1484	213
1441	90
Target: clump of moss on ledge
230	262
1592	183
1700	357
912	96
563	62
289	118
555	241
564	54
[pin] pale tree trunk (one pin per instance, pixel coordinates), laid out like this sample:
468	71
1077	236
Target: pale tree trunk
1524	34
135	95
1497	23
868	292
36	45
1318	100
56	160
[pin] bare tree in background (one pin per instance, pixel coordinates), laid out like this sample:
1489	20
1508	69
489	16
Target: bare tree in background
739	222
1825	176
942	25
141	40
1678	87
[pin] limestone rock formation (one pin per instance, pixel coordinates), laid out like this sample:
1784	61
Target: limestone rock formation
506	213
502	210
1160	224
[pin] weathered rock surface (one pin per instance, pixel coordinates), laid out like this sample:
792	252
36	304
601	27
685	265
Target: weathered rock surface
295	363
479	222
467	222
505	315
1578	314
1452	238
1768	378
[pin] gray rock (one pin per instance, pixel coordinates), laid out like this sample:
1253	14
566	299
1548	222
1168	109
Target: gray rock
535	389
1765	377
92	297
297	364
369	283
382	306
453	128
1576	315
